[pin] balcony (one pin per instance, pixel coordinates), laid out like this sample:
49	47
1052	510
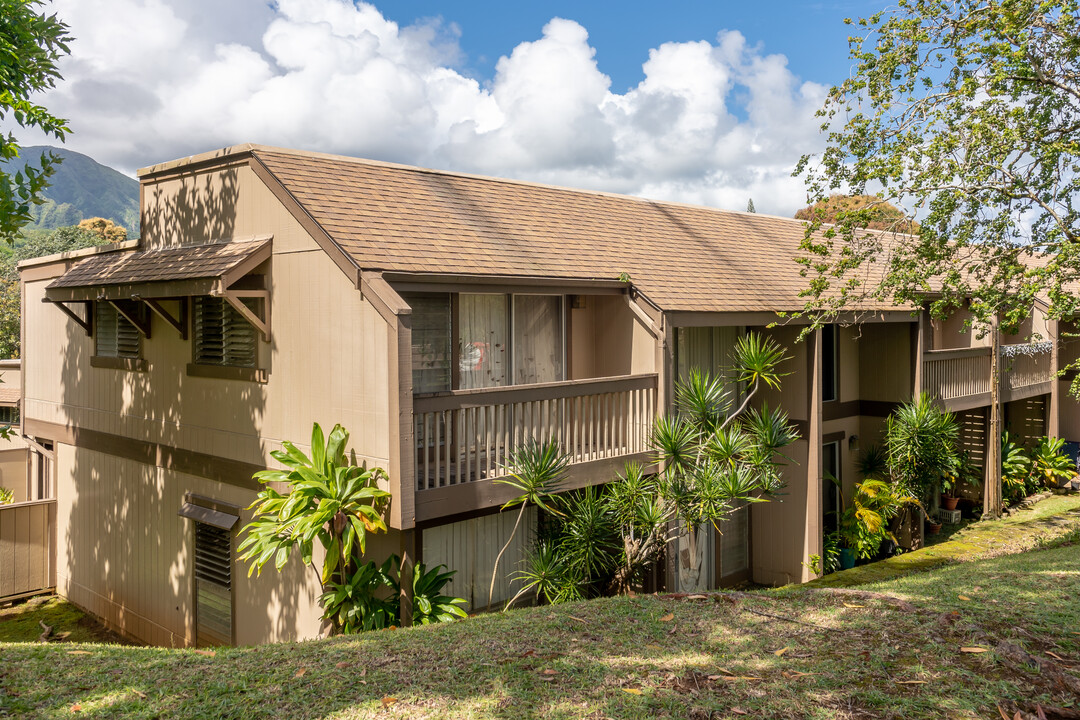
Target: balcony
465	438
961	378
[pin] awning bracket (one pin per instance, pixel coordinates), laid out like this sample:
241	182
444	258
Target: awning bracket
86	323
180	324
142	323
235	297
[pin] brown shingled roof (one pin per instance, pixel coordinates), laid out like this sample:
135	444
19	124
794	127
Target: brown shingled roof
10	394
177	263
405	219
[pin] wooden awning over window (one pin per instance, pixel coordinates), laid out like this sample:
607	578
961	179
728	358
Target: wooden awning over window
150	276
168	272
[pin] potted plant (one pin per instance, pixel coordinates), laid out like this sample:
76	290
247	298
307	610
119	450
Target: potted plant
864	525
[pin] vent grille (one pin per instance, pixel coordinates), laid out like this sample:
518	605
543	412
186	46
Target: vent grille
213	585
222	335
114	333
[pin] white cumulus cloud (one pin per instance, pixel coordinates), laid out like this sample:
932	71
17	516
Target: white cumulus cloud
712	122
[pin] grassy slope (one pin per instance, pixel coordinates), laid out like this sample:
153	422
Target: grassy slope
637	657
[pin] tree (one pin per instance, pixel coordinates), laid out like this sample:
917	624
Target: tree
882	215
330	500
967	115
31	44
107	230
750	206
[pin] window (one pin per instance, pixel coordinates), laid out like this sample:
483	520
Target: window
213	586
9	415
222	335
498	340
114	335
831	502
828	363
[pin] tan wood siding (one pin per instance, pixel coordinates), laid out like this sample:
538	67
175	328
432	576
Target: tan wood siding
27	554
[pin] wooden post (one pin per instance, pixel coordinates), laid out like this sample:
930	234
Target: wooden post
1053	419
405	575
920	347
813	540
992	475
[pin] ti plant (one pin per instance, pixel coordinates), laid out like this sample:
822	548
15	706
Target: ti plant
330	501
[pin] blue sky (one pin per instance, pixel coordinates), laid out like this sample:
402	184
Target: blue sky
813	36
706	103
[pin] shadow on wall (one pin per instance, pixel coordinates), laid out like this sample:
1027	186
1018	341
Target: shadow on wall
129	556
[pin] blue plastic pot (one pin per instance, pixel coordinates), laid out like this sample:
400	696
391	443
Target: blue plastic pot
847	558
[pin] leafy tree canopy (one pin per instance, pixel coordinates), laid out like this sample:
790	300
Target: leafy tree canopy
880	215
31	43
967	113
107	230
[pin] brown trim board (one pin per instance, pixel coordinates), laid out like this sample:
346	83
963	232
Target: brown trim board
834	410
189	462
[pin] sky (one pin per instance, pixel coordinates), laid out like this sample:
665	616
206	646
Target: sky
703	102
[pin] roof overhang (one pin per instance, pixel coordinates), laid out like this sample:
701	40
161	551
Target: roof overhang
189	270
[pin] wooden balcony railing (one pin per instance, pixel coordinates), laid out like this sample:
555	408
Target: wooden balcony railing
961	378
952	374
466	436
1025	366
27	548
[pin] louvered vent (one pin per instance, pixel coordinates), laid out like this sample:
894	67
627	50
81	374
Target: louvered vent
115	335
213	585
222	335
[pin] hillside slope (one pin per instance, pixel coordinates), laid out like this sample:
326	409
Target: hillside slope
82	188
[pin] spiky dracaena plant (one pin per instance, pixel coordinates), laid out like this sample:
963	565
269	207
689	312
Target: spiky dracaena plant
713	459
536	469
921	439
330	500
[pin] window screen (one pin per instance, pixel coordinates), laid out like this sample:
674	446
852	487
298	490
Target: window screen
114	334
222	335
213	585
431	343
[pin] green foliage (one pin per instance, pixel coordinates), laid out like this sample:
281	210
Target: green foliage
864	524
874	463
965	113
829	561
6	496
369	598
31	44
330	500
920	439
64	239
547	574
1050	463
537	470
1016	476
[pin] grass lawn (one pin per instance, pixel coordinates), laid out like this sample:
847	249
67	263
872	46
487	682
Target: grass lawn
890	649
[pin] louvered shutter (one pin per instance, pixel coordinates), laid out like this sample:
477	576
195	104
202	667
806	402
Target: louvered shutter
213	585
115	335
222	335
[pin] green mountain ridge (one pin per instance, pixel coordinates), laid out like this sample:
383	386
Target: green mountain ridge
81	188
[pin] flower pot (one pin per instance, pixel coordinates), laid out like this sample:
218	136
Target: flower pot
847	558
932	528
948	502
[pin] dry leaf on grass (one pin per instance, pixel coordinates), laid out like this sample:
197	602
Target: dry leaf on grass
549	671
76	708
974	649
911	682
580	620
140	693
668	618
781	651
632	691
697	597
790	675
1056	656
343	665
300	672
965	598
79	652
207	653
853	605
388	701
739	711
